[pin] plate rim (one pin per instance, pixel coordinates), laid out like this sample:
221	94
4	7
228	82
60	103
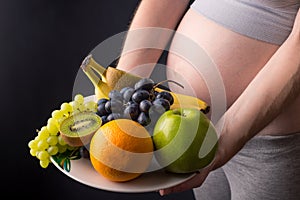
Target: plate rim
186	177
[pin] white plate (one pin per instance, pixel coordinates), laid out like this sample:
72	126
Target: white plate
83	172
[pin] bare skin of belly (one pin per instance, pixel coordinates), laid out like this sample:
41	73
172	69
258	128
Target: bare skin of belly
237	58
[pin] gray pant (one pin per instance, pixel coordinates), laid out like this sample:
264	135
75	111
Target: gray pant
268	167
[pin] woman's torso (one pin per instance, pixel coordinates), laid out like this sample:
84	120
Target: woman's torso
238	59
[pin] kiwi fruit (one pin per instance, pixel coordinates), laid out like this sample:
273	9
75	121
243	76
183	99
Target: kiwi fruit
78	129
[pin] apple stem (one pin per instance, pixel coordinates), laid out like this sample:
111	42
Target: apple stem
168	81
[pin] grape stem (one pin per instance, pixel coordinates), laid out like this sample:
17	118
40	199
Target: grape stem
158	84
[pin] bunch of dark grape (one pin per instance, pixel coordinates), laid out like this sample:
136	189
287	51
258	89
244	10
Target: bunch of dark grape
140	103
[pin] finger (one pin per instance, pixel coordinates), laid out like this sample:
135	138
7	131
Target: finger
195	181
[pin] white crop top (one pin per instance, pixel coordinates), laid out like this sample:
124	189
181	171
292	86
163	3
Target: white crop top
267	20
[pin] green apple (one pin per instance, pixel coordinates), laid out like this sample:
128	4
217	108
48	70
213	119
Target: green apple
185	140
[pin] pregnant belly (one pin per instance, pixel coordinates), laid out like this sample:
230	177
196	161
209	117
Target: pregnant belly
216	65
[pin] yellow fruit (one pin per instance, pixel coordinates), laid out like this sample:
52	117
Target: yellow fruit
121	150
185	101
112	78
106	79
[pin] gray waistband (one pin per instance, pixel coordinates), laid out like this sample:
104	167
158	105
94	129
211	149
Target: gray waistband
269	22
268	143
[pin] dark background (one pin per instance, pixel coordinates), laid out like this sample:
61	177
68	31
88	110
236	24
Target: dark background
42	43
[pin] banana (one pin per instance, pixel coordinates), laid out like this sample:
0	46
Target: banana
106	79
110	78
186	101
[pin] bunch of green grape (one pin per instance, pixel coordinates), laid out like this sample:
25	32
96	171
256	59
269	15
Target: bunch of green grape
48	141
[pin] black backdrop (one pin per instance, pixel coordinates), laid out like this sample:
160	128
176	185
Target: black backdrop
42	43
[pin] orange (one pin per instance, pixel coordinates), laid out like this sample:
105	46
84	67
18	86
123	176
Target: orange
121	150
